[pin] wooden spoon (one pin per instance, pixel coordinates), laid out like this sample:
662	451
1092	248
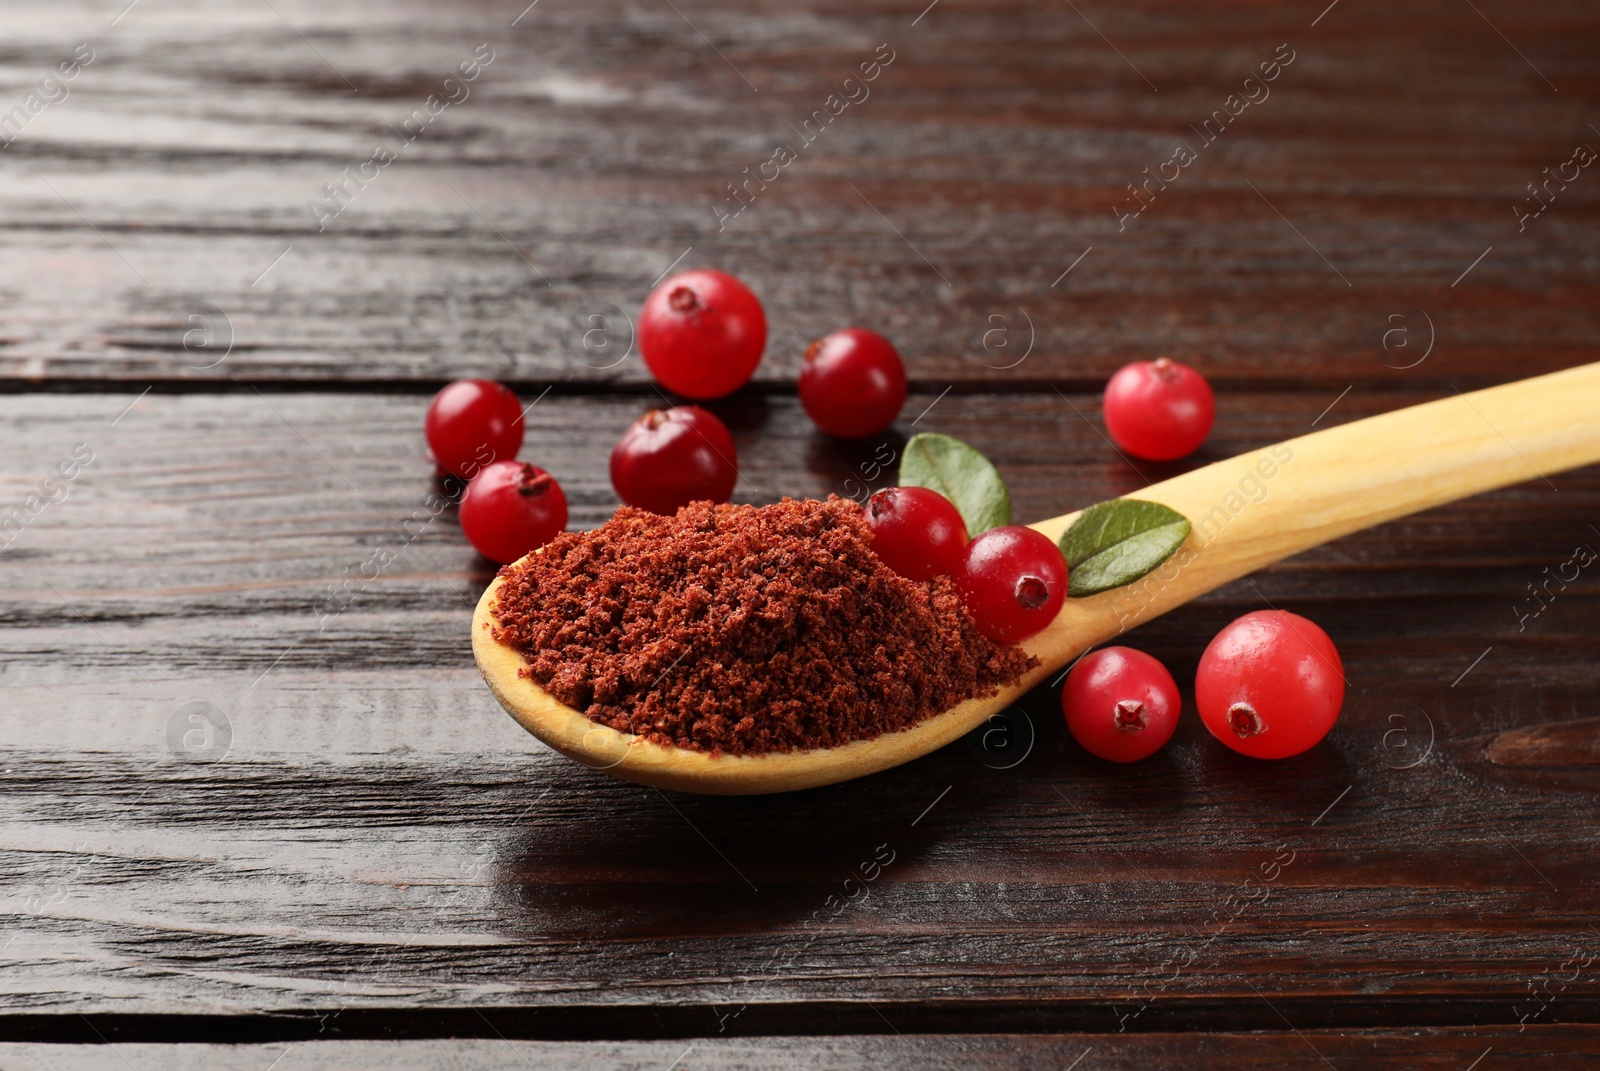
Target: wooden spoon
1248	512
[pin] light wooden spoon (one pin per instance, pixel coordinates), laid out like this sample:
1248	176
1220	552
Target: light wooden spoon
1248	512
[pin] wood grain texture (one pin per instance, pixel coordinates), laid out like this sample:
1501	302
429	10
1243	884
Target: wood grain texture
943	209
1420	1050
251	789
377	835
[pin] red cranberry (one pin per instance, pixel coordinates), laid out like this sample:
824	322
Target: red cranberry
1159	410
853	383
671	457
1270	685
917	532
1013	581
702	333
470	423
512	508
1120	704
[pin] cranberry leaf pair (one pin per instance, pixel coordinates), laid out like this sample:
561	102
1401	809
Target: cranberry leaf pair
961	474
1111	544
1116	542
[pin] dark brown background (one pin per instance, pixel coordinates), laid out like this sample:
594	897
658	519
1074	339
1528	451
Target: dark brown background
367	849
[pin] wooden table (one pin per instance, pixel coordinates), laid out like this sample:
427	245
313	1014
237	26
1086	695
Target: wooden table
255	794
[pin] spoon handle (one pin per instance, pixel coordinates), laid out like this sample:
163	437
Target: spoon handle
1257	508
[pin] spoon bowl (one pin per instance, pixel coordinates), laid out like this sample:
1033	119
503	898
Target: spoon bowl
1247	512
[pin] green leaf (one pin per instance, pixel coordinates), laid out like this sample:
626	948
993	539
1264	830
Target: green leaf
1115	543
961	474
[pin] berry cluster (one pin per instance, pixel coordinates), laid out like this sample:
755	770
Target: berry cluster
1012	580
1270	685
474	430
702	333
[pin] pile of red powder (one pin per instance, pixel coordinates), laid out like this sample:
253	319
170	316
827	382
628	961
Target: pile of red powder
744	629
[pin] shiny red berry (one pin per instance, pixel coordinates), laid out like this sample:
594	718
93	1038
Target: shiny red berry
917	532
702	333
1270	685
1120	704
1013	581
511	508
671	457
1159	410
471	423
852	383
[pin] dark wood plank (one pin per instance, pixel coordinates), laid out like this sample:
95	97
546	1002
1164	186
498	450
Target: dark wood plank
239	807
594	148
377	835
1419	1050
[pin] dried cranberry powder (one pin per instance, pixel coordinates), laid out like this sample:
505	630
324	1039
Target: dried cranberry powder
744	629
